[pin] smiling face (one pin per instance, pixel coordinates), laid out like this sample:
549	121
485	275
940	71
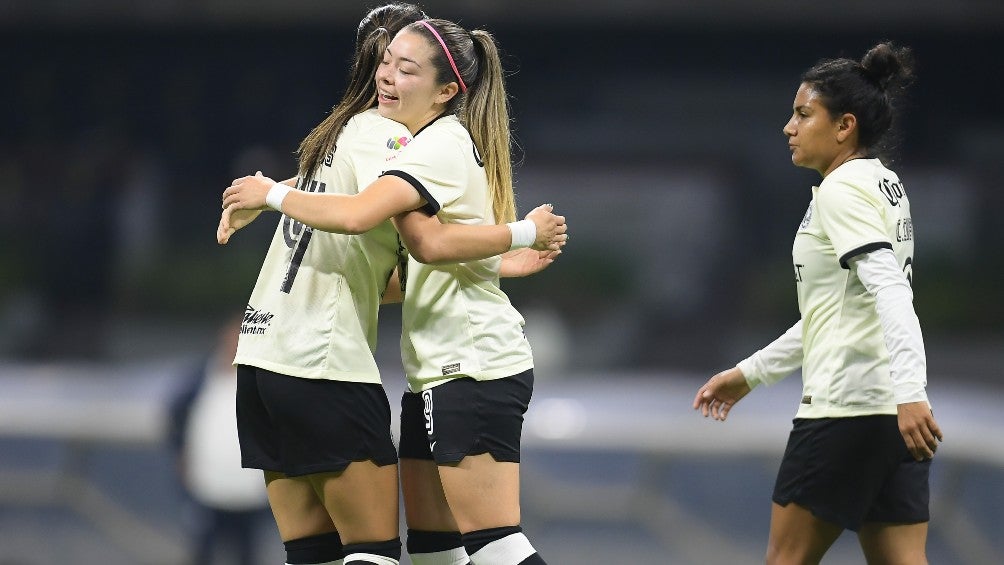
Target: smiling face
407	91
817	139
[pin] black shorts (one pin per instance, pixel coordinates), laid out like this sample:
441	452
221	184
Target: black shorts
466	417
853	470
304	426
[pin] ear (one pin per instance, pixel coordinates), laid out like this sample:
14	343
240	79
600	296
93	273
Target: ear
447	92
847	126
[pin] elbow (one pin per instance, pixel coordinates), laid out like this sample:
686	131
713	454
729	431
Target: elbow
425	252
355	226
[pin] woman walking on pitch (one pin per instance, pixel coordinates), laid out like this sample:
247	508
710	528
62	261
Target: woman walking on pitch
860	451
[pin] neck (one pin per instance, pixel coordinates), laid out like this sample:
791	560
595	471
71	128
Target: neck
842	158
430	117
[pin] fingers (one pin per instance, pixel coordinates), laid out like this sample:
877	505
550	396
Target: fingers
223	231
230	191
698	399
935	430
920	449
931	435
724	411
921	443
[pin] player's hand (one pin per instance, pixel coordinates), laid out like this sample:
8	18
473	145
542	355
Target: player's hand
920	432
717	396
552	232
523	262
232	220
247	193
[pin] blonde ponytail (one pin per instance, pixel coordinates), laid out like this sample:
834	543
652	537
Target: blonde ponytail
485	113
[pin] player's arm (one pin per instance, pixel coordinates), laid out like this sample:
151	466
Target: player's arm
776	361
772	363
339	213
881	275
432	242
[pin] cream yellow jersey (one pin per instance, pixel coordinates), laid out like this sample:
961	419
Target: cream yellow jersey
313	311
859	207
457	322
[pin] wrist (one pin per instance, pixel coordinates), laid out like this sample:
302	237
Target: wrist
275	196
524	233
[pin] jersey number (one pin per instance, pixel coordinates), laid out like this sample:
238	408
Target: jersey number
297	237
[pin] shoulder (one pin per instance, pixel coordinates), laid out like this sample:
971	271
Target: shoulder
369	124
860	178
446	130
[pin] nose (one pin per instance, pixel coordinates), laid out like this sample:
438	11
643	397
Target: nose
382	75
789	128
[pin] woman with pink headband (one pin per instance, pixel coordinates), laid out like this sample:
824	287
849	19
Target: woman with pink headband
469	366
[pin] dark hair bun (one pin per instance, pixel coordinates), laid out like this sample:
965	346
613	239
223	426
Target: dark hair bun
889	66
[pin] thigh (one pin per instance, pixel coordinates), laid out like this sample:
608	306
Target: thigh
482	492
894	544
362	501
297	509
425	506
797	537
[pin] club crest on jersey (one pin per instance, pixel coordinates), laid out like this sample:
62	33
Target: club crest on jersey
329	158
807	218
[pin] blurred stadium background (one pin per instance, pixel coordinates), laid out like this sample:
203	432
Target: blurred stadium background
654	125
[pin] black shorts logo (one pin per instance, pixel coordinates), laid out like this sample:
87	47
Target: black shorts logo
451	368
427	410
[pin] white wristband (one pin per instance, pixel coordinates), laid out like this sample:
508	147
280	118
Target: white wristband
524	233
275	195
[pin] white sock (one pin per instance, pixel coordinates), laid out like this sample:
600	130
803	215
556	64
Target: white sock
509	550
455	556
356	558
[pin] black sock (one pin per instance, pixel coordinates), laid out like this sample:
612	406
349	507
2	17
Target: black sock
436	548
380	552
321	548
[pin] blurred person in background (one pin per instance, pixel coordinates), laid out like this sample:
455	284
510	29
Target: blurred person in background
231	501
860	451
468	363
311	410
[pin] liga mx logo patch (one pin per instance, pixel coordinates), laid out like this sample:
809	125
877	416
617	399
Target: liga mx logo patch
396	143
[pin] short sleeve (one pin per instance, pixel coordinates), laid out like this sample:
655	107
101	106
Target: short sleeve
433	164
852	221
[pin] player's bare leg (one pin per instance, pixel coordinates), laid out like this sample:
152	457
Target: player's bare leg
894	544
797	537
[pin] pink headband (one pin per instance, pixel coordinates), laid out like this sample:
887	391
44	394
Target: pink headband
463	87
